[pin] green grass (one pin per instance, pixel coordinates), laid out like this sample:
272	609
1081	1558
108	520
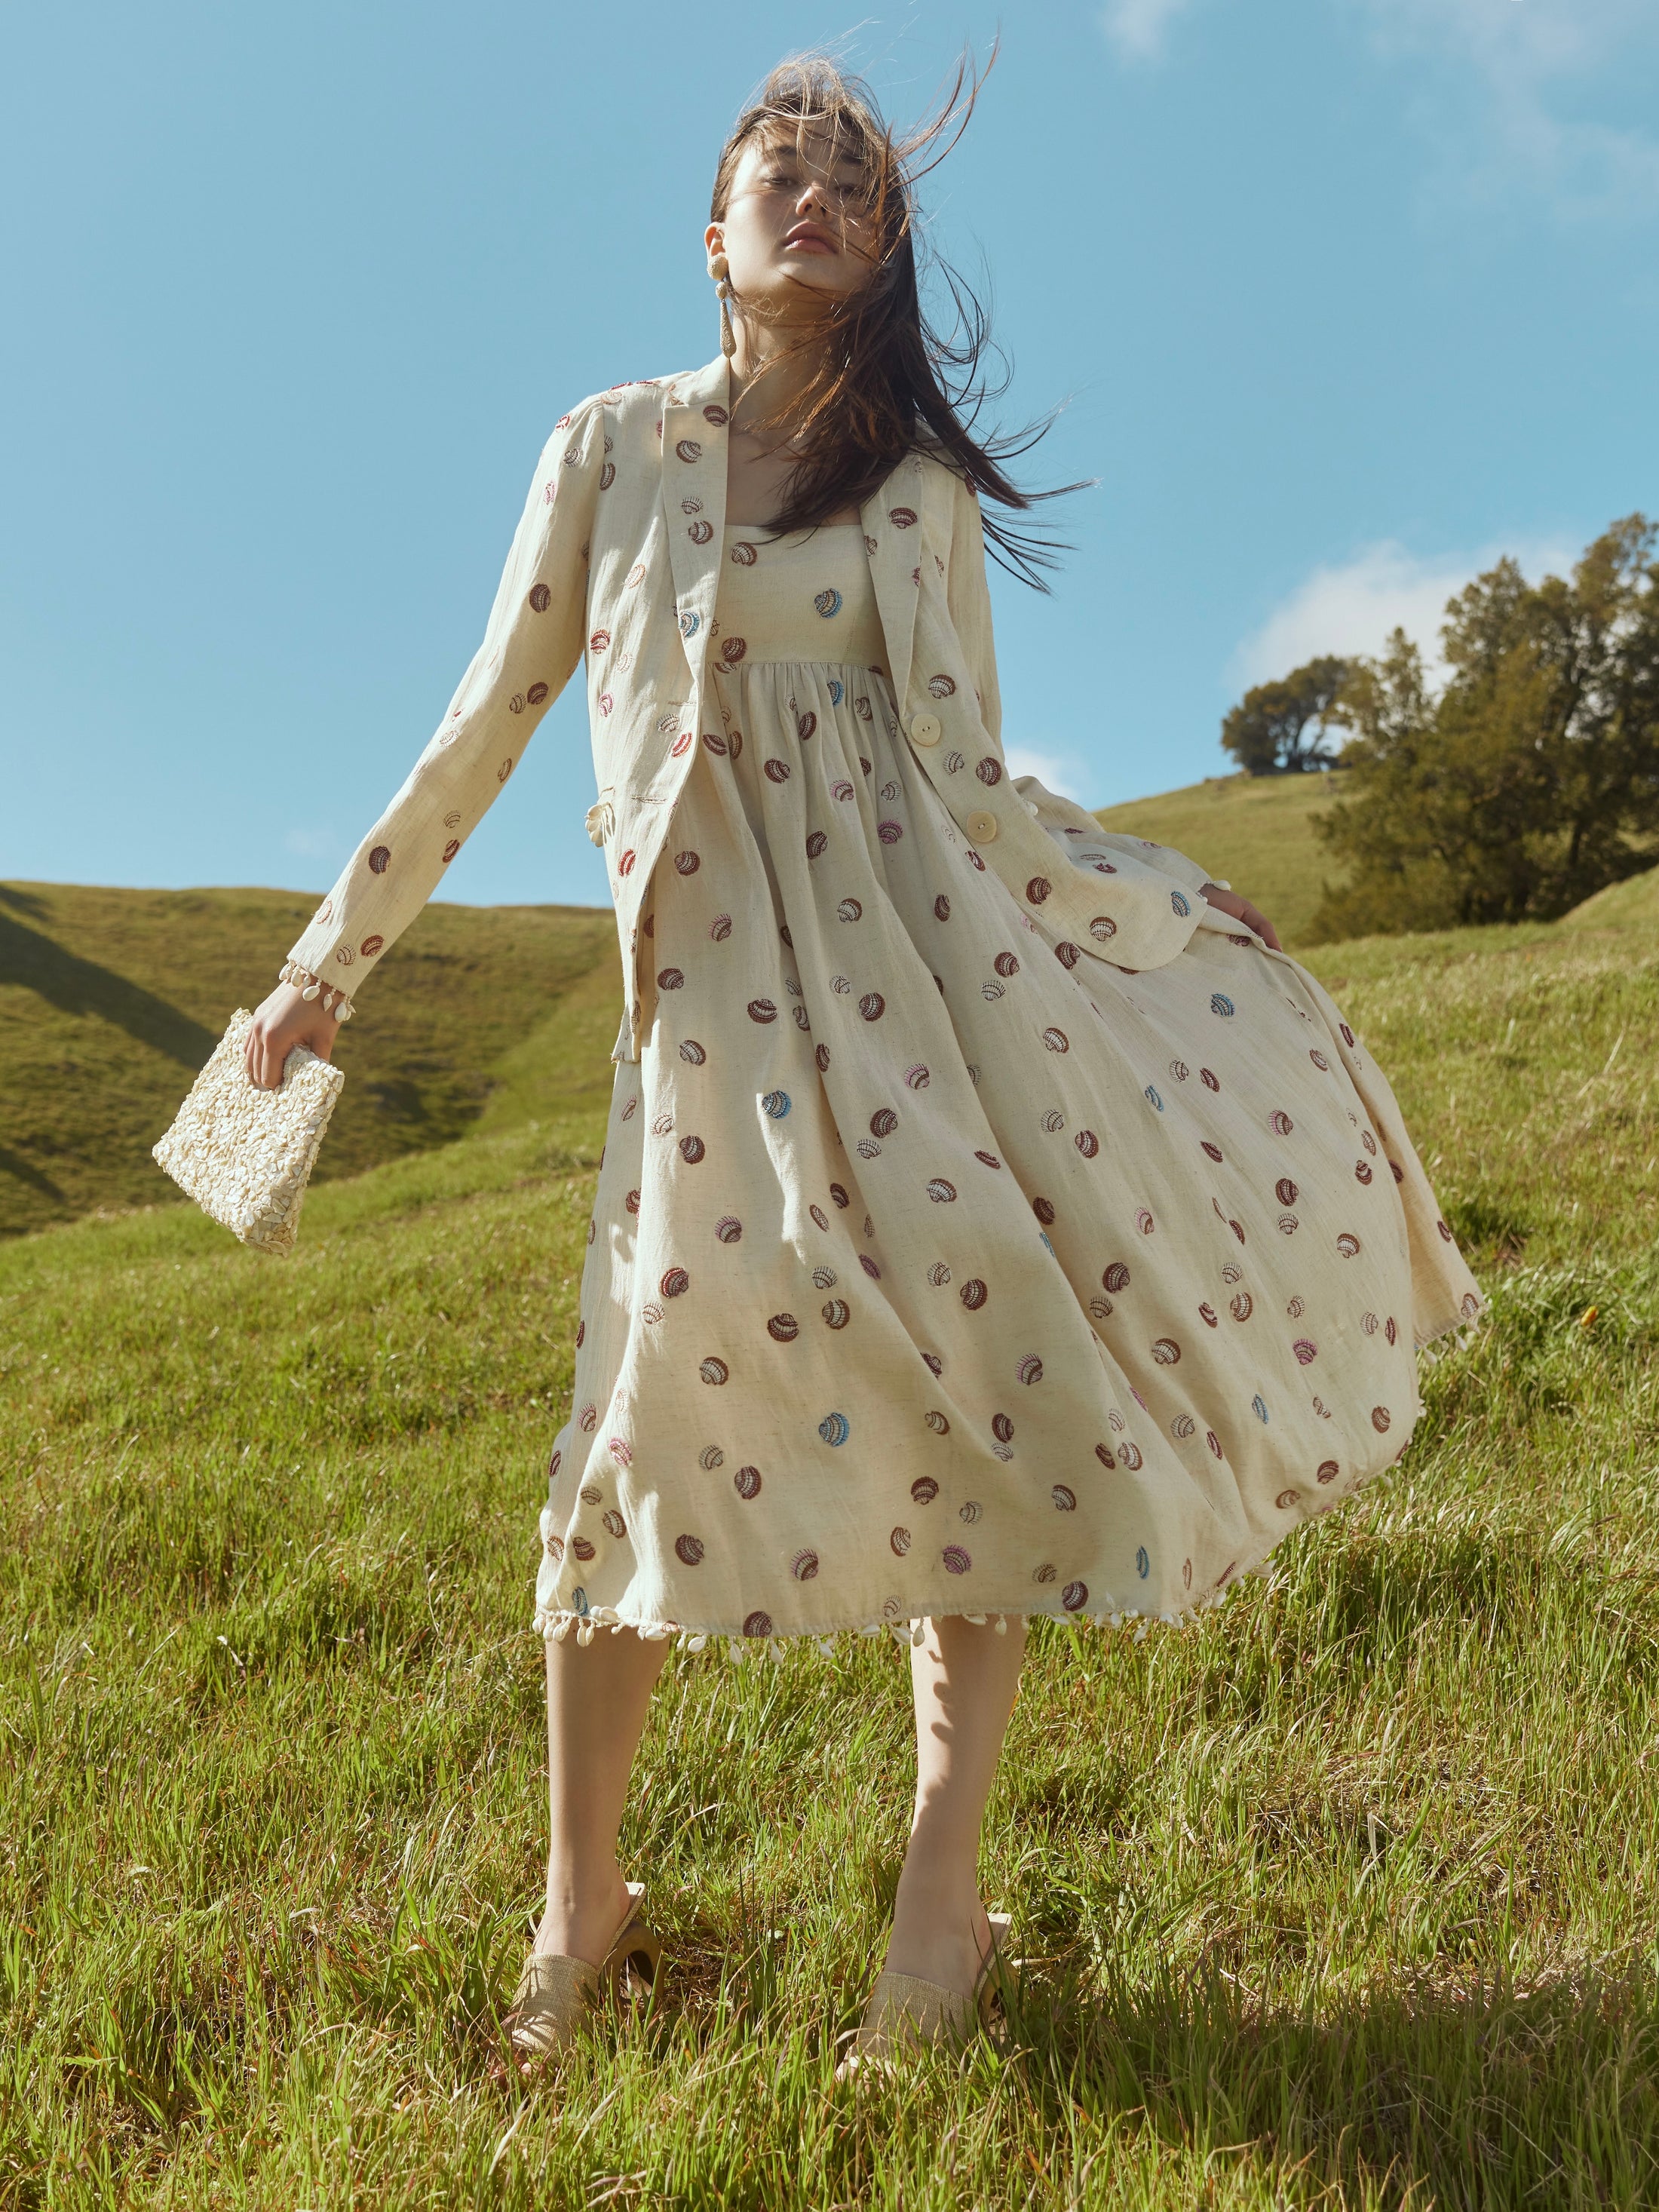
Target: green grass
1633	903
1257	832
1348	1895
111	1000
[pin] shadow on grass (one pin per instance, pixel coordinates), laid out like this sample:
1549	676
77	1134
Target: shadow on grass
74	986
1409	2095
1482	2094
14	1163
1488	1226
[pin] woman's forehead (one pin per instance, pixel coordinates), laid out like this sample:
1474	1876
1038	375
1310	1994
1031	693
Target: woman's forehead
814	142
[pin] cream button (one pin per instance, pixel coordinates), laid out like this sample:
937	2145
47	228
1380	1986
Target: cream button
981	826
1031	808
926	729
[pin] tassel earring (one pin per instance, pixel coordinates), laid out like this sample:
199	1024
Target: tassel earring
720	269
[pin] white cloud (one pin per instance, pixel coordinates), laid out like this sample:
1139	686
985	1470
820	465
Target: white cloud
1494	85
1352	607
1136	27
1537	38
1057	772
1523	54
311	844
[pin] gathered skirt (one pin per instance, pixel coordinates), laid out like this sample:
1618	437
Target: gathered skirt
929	1275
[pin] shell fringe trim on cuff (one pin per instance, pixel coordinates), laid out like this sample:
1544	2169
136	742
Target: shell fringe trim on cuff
311	986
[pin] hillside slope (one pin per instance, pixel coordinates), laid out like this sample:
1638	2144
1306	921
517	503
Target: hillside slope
1350	1884
1256	831
111	1000
483	1016
1633	905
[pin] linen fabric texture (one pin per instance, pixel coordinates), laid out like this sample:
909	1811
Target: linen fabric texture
986	1224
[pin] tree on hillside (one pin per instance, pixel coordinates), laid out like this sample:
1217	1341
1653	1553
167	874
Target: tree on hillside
1533	779
1277	729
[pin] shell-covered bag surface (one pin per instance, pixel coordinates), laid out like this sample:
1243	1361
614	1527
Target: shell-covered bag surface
245	1155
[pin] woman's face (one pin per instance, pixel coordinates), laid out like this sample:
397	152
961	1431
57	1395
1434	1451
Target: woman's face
798	224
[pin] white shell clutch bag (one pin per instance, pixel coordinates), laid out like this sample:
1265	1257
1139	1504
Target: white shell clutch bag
245	1155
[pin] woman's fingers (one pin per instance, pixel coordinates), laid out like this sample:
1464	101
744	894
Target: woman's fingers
266	1075
284	1021
1241	909
1263	928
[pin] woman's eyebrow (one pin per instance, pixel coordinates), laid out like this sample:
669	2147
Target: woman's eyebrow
846	163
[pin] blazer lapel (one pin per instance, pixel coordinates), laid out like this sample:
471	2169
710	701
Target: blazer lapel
893	517
694	419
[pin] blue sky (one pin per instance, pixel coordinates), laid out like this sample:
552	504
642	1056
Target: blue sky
1341	296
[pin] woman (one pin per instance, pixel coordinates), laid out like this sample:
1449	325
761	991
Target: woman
993	1221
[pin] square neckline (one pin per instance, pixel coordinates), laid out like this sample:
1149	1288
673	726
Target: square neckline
766	527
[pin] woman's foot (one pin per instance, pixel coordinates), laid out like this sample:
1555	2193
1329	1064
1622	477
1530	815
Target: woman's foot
582	1924
933	1987
560	1986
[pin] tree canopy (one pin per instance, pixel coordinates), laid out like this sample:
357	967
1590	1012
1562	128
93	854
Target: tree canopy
1279	728
1531	780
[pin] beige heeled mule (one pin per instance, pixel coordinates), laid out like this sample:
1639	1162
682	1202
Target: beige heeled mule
907	2013
555	1993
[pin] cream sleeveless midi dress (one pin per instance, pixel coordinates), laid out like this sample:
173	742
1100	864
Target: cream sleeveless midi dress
875	1323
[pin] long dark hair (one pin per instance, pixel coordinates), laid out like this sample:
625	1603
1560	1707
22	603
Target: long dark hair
887	382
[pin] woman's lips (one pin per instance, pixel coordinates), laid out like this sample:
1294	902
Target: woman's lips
807	242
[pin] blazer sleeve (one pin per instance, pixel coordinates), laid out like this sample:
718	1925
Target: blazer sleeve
968	597
531	644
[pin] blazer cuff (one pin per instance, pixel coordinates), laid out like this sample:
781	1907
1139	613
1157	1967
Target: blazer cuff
339	944
1150	854
1065	818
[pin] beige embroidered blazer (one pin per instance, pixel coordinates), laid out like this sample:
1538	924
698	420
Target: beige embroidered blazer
616	561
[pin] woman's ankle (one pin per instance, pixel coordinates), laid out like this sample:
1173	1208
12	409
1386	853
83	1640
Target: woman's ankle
939	1932
581	1909
937	1896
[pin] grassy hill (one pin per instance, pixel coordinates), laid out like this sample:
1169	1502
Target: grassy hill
481	1017
1633	904
1346	1897
1257	832
111	1000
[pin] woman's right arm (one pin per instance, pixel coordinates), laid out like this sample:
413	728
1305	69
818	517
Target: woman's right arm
532	642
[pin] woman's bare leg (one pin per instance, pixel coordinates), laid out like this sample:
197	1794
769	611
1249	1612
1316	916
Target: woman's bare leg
597	1697
964	1679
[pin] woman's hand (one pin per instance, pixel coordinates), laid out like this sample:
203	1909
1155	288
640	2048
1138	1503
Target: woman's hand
1242	910
284	1021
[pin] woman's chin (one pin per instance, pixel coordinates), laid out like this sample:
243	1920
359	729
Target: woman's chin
809	276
